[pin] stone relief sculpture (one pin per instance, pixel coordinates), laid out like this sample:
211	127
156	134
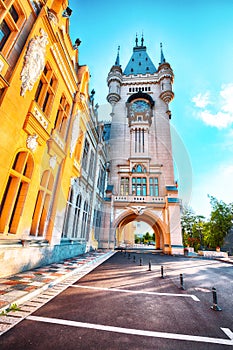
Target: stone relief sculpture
34	61
32	142
53	161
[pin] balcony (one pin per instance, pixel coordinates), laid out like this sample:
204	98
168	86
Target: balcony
139	199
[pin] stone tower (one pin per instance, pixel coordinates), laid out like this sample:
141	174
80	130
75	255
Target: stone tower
141	177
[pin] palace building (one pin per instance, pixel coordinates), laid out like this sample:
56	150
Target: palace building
69	183
141	183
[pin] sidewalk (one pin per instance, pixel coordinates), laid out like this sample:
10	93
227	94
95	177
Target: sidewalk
23	286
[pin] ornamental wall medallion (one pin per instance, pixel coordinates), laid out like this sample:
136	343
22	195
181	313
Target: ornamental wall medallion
32	142
34	61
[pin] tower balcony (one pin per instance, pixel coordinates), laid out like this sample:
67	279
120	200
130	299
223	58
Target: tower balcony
138	199
167	96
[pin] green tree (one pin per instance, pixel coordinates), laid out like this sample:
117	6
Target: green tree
220	222
193	228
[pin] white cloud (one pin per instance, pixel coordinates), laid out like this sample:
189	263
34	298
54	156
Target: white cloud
219	120
201	100
224	116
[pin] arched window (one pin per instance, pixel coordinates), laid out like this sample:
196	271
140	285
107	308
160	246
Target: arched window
41	210
76	216
68	215
15	194
84	220
138	168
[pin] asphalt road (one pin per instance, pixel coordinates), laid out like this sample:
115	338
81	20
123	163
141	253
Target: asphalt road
122	305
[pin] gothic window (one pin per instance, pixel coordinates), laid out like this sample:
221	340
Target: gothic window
46	90
62	116
101	180
16	190
97	222
139	186
154	186
13	19
124	186
77	210
41	211
139	140
85	154
84	220
138	168
91	165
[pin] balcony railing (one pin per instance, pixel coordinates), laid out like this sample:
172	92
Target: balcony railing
139	199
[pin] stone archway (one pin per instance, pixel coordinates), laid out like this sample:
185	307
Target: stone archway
159	227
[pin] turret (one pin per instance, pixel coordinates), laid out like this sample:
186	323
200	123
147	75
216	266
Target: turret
114	81
166	77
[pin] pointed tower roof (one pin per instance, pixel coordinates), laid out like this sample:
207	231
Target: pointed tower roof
117	62
162	58
140	62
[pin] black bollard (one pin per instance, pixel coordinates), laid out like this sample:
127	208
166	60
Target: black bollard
215	306
162	276
129	256
149	265
181	281
140	262
125	253
134	258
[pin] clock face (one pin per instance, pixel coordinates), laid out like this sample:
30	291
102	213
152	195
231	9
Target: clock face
140	106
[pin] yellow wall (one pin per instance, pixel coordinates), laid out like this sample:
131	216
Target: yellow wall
21	116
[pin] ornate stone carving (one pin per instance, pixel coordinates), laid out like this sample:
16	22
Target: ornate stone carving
74	134
34	61
32	142
138	210
53	161
52	17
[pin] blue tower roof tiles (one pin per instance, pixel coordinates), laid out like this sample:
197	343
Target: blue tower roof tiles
140	62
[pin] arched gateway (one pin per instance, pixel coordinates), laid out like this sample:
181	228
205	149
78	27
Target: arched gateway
141	183
162	239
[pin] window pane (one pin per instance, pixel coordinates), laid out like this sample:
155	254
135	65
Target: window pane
144	190
4	33
14	14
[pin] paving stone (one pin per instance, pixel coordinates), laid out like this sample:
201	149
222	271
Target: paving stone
3	327
8	319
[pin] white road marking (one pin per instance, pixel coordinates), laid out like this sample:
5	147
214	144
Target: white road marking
140	332
139	292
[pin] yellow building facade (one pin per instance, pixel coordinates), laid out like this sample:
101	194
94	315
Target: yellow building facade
44	113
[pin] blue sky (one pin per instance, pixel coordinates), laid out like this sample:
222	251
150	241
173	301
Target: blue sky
197	42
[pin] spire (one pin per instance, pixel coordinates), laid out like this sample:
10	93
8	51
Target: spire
136	40
117	63
162	59
142	40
